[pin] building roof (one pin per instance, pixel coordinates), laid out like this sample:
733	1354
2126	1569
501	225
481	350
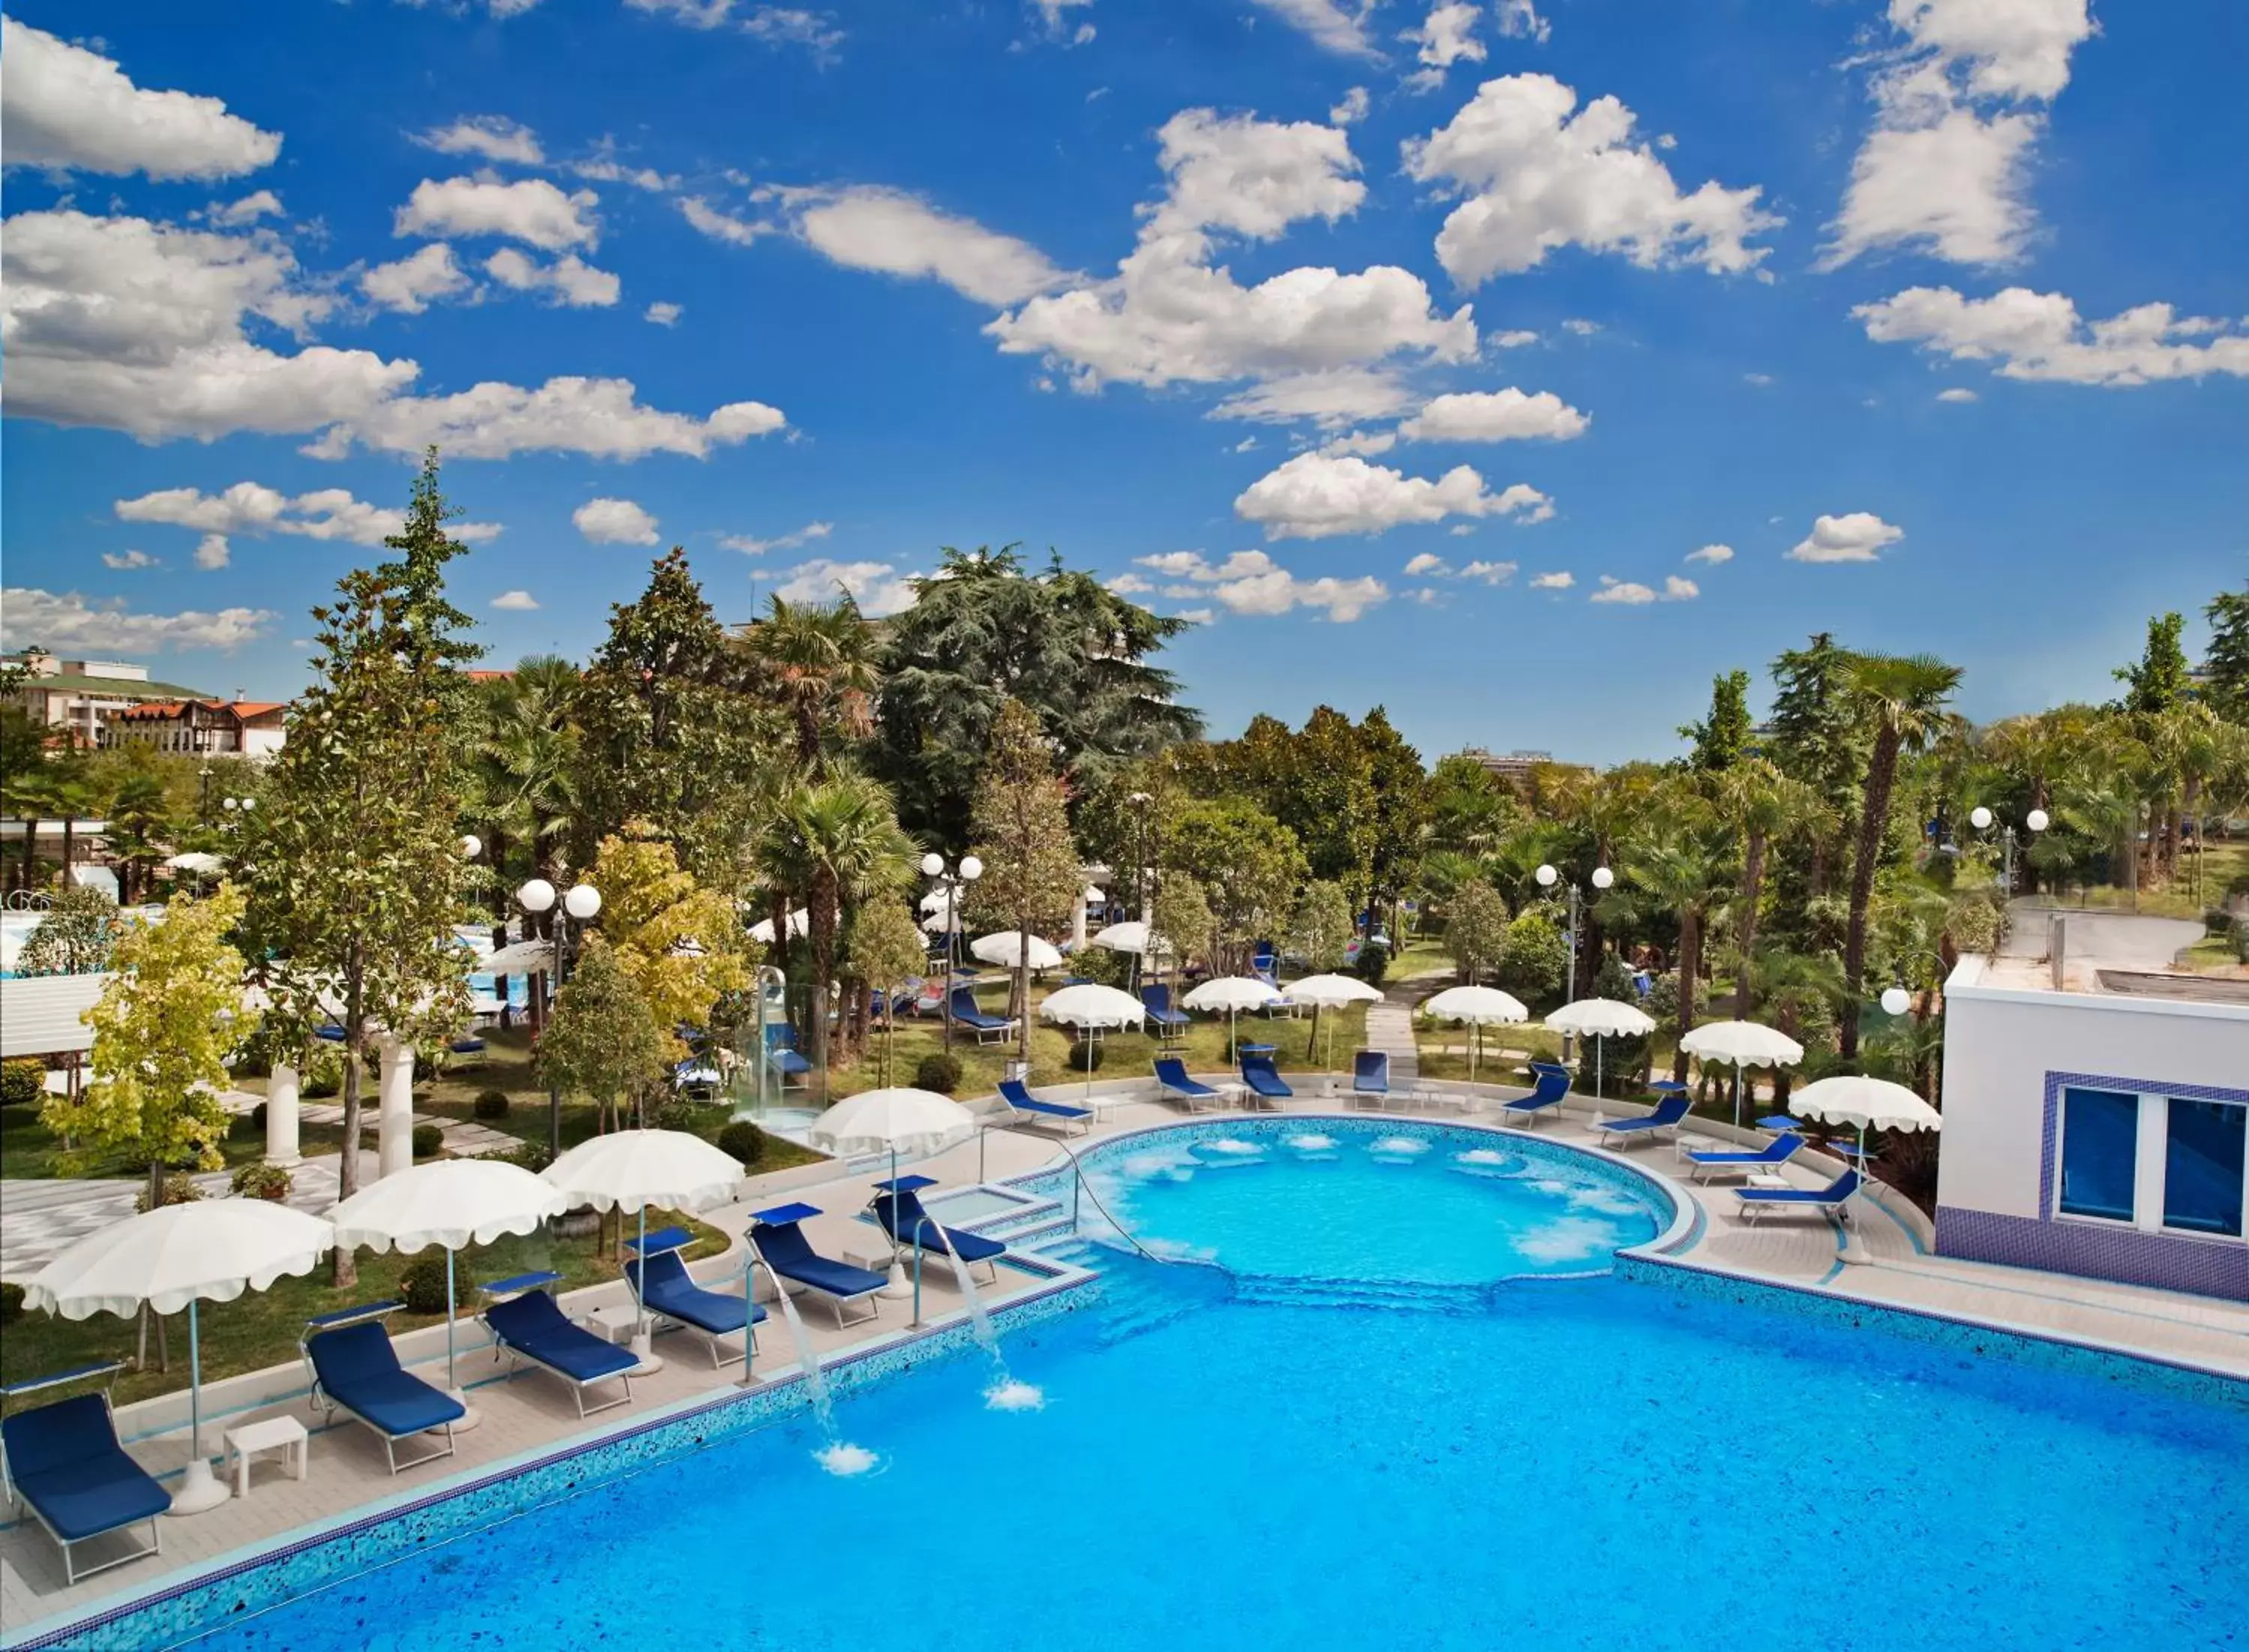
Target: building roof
116	688
45	1015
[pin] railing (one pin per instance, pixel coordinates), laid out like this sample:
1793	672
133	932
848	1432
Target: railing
1081	1188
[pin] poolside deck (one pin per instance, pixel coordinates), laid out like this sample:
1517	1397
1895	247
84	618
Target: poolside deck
534	1414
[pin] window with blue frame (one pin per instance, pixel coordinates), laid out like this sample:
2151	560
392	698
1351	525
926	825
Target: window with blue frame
2206	1145
2100	1153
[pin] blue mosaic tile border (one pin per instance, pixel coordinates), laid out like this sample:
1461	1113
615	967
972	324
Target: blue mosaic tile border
199	1605
1920	1325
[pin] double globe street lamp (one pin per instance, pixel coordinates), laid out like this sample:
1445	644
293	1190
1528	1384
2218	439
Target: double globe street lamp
969	869
583	903
2036	821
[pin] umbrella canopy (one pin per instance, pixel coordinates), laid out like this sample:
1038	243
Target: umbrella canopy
1232	993
1742	1044
1128	937
632	1170
195	863
939	922
451	1202
1865	1104
894	1121
1602	1018
1478	1006
1010	947
800	922
520	957
1093	895
1092	1005
1331	991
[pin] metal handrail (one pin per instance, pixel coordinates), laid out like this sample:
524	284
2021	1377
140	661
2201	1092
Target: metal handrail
1085	1189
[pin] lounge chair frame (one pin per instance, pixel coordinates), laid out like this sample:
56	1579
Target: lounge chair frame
517	1356
678	1238
330	1404
72	1575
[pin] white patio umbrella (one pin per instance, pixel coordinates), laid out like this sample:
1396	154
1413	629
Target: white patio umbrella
939	922
896	1120
632	1170
1130	937
1869	1104
195	863
1009	946
1744	1044
517	958
1479	1007
799	924
1090	1007
176	1257
1599	1020
452	1203
1328	993
1232	993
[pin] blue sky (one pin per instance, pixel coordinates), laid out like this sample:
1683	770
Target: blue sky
1352	331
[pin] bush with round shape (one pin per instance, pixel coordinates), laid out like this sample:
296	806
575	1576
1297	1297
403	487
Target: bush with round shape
1086	1055
744	1141
429	1140
323	1075
938	1072
1372	963
23	1083
262	1181
490	1104
179	1188
421	1287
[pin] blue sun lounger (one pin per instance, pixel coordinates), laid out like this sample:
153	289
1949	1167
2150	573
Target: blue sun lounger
355	1368
1552	1089
533	1327
782	1055
779	1236
1777	1152
662	1285
1264	1079
1157	1001
965	1014
1017	1095
1836	1196
898	1210
1669	1111
1369	1078
65	1466
1171	1080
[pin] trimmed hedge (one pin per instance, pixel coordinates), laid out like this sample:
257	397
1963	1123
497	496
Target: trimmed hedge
938	1072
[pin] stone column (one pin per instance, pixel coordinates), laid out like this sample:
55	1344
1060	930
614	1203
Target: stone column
394	1139
281	1117
1078	920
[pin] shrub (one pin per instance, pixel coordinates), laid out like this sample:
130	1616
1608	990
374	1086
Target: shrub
422	1286
323	1076
1534	960
22	1083
11	1303
1372	963
744	1141
532	1155
248	1127
262	1181
178	1190
938	1072
491	1104
429	1140
1623	1062
1086	1056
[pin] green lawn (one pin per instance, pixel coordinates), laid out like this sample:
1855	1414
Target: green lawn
28	1150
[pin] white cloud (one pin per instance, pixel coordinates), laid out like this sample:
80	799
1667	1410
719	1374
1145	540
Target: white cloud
614	522
1129	585
887	230
1712	555
721	226
1196	616
1515	338
1490	573
603	166
1365	443
664	313
1428	562
515	601
1762	381
598	417
1351	110
70	623
212	551
1251	177
570	280
127	560
1496	416
1331	26
251	507
794	27
529	209
1633	595
410	285
1944	167
1244	445
492	136
236	214
2040	336
1535	178
1318	495
1956	392
804	536
1519	20
1446	36
1251	582
1054	18
1330	399
1582	327
1858	536
1461	529
66	109
878	588
1560	580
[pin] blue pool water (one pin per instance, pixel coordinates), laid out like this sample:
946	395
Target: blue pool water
1581	1462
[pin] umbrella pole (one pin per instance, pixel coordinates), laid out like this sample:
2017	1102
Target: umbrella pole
644	1341
450	1383
1737	1095
199	1488
1600	1049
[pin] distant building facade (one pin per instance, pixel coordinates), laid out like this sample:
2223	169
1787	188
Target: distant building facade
202	728
110	702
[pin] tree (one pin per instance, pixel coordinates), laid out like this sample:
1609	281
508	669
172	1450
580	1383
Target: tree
1320	925
1722	737
1758	803
1021	826
886	952
162	1031
821	664
678	943
1475	929
1401	809
527	761
352	866
1904	698
141	824
1247	863
2158	681
1470	811
77	936
1319	782
2226	667
1676	867
1534	959
983	630
1185	920
603	1041
1815	736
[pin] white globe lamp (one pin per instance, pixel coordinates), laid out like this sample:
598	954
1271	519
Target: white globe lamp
971	868
1546	876
1896	1001
582	902
932	864
2037	820
1980	818
472	845
1603	877
537	895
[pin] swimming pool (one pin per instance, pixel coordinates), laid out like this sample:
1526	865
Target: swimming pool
1553	1462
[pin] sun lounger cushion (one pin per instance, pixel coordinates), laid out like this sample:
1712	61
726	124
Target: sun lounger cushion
1172	1075
1369	1071
666	1287
790	1254
64	1460
1669	1111
1834	1193
1779	1150
1259	1073
1017	1095
358	1369
534	1325
902	1218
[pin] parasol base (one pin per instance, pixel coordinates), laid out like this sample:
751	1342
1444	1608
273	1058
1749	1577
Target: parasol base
469	1417
897	1290
200	1490
644	1349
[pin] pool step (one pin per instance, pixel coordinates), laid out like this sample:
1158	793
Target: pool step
1139	1296
1396	1295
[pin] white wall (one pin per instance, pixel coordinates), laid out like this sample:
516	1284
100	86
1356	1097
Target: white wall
2001	1042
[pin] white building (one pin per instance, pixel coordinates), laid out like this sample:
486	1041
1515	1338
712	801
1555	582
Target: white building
2097	1122
80	696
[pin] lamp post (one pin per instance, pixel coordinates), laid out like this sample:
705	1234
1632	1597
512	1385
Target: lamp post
1547	877
968	869
238	810
202	797
2036	821
1143	875
583	903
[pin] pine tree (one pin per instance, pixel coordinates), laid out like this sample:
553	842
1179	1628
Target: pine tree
2158	681
1722	738
2226	668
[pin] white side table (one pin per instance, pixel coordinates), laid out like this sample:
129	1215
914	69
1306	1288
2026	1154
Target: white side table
282	1434
1764	1179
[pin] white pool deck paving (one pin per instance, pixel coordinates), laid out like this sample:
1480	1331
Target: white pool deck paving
533	1414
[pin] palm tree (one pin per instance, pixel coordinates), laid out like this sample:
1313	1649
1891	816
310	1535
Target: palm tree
1795	984
832	843
140	824
529	757
822	661
1760	804
1905	695
1678	869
